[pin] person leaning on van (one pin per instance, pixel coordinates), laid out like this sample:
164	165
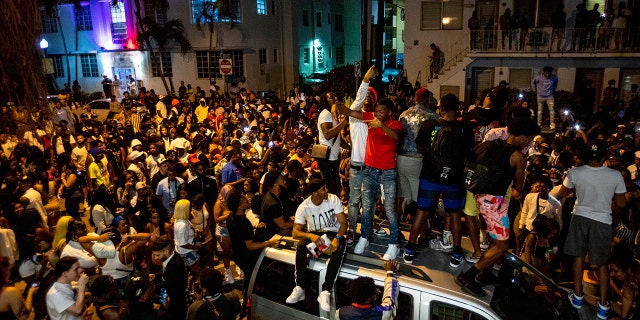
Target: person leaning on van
363	293
319	220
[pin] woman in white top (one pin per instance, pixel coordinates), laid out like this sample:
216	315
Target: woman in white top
102	210
183	233
329	134
86	259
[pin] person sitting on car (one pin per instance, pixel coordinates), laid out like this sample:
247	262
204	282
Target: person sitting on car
319	216
363	293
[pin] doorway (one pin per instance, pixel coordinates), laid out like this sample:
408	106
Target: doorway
596	76
123	75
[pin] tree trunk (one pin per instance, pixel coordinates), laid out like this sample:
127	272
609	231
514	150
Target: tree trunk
64	45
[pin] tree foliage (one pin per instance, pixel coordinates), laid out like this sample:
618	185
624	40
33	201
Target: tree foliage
21	73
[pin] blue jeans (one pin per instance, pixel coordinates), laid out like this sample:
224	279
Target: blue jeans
372	180
355	193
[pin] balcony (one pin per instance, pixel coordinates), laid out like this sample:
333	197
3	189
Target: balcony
611	42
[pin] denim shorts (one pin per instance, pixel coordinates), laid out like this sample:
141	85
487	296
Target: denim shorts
190	258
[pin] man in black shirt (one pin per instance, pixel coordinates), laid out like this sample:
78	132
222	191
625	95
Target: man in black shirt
272	211
205	185
214	304
291	195
174	278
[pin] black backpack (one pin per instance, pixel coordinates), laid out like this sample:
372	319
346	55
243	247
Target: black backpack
487	168
447	153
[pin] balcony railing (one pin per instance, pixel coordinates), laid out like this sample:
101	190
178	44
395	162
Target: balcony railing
584	40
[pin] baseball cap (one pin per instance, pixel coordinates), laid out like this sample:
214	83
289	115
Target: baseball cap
315	184
135	154
597	149
135	142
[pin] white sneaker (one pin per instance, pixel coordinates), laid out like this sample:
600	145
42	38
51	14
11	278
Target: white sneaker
324	300
391	253
240	273
228	277
296	295
362	243
437	244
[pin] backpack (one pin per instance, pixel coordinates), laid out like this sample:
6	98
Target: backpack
487	168
447	153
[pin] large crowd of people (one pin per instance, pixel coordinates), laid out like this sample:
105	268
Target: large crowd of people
139	208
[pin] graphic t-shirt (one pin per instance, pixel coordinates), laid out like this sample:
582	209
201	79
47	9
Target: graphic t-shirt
320	218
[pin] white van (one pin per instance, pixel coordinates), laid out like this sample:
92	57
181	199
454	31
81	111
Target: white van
427	289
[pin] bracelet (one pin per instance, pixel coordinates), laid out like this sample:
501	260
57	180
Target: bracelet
390	272
338	237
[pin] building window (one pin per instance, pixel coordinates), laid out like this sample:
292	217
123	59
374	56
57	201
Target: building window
166	64
118	23
329	18
58	67
545	11
338	23
49	23
441	15
236	56
520	78
261	6
275	55
89	64
209	7
339	55
154	12
318	19
273	8
263	55
305	18
83	18
306	55
320	57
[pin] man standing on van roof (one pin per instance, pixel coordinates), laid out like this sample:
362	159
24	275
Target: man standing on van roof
320	214
494	207
380	171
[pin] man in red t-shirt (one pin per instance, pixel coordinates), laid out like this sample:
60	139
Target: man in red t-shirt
380	171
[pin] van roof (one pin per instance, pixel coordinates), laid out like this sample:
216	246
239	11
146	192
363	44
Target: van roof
430	267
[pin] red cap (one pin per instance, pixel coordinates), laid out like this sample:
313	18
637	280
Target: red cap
375	94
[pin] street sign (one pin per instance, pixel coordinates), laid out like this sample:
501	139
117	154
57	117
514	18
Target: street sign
226	66
358	69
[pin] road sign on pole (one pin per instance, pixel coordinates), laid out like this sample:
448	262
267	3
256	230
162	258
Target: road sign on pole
226	66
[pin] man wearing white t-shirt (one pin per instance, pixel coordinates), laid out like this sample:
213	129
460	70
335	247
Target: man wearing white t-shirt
320	214
596	188
366	99
62	302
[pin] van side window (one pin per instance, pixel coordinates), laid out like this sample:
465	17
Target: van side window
525	291
275	281
405	301
444	311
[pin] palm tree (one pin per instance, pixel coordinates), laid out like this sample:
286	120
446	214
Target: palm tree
51	8
164	35
211	14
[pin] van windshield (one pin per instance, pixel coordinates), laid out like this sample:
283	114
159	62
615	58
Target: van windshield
525	293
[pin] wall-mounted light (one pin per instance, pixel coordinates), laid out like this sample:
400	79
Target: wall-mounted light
316	42
44	44
446	20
